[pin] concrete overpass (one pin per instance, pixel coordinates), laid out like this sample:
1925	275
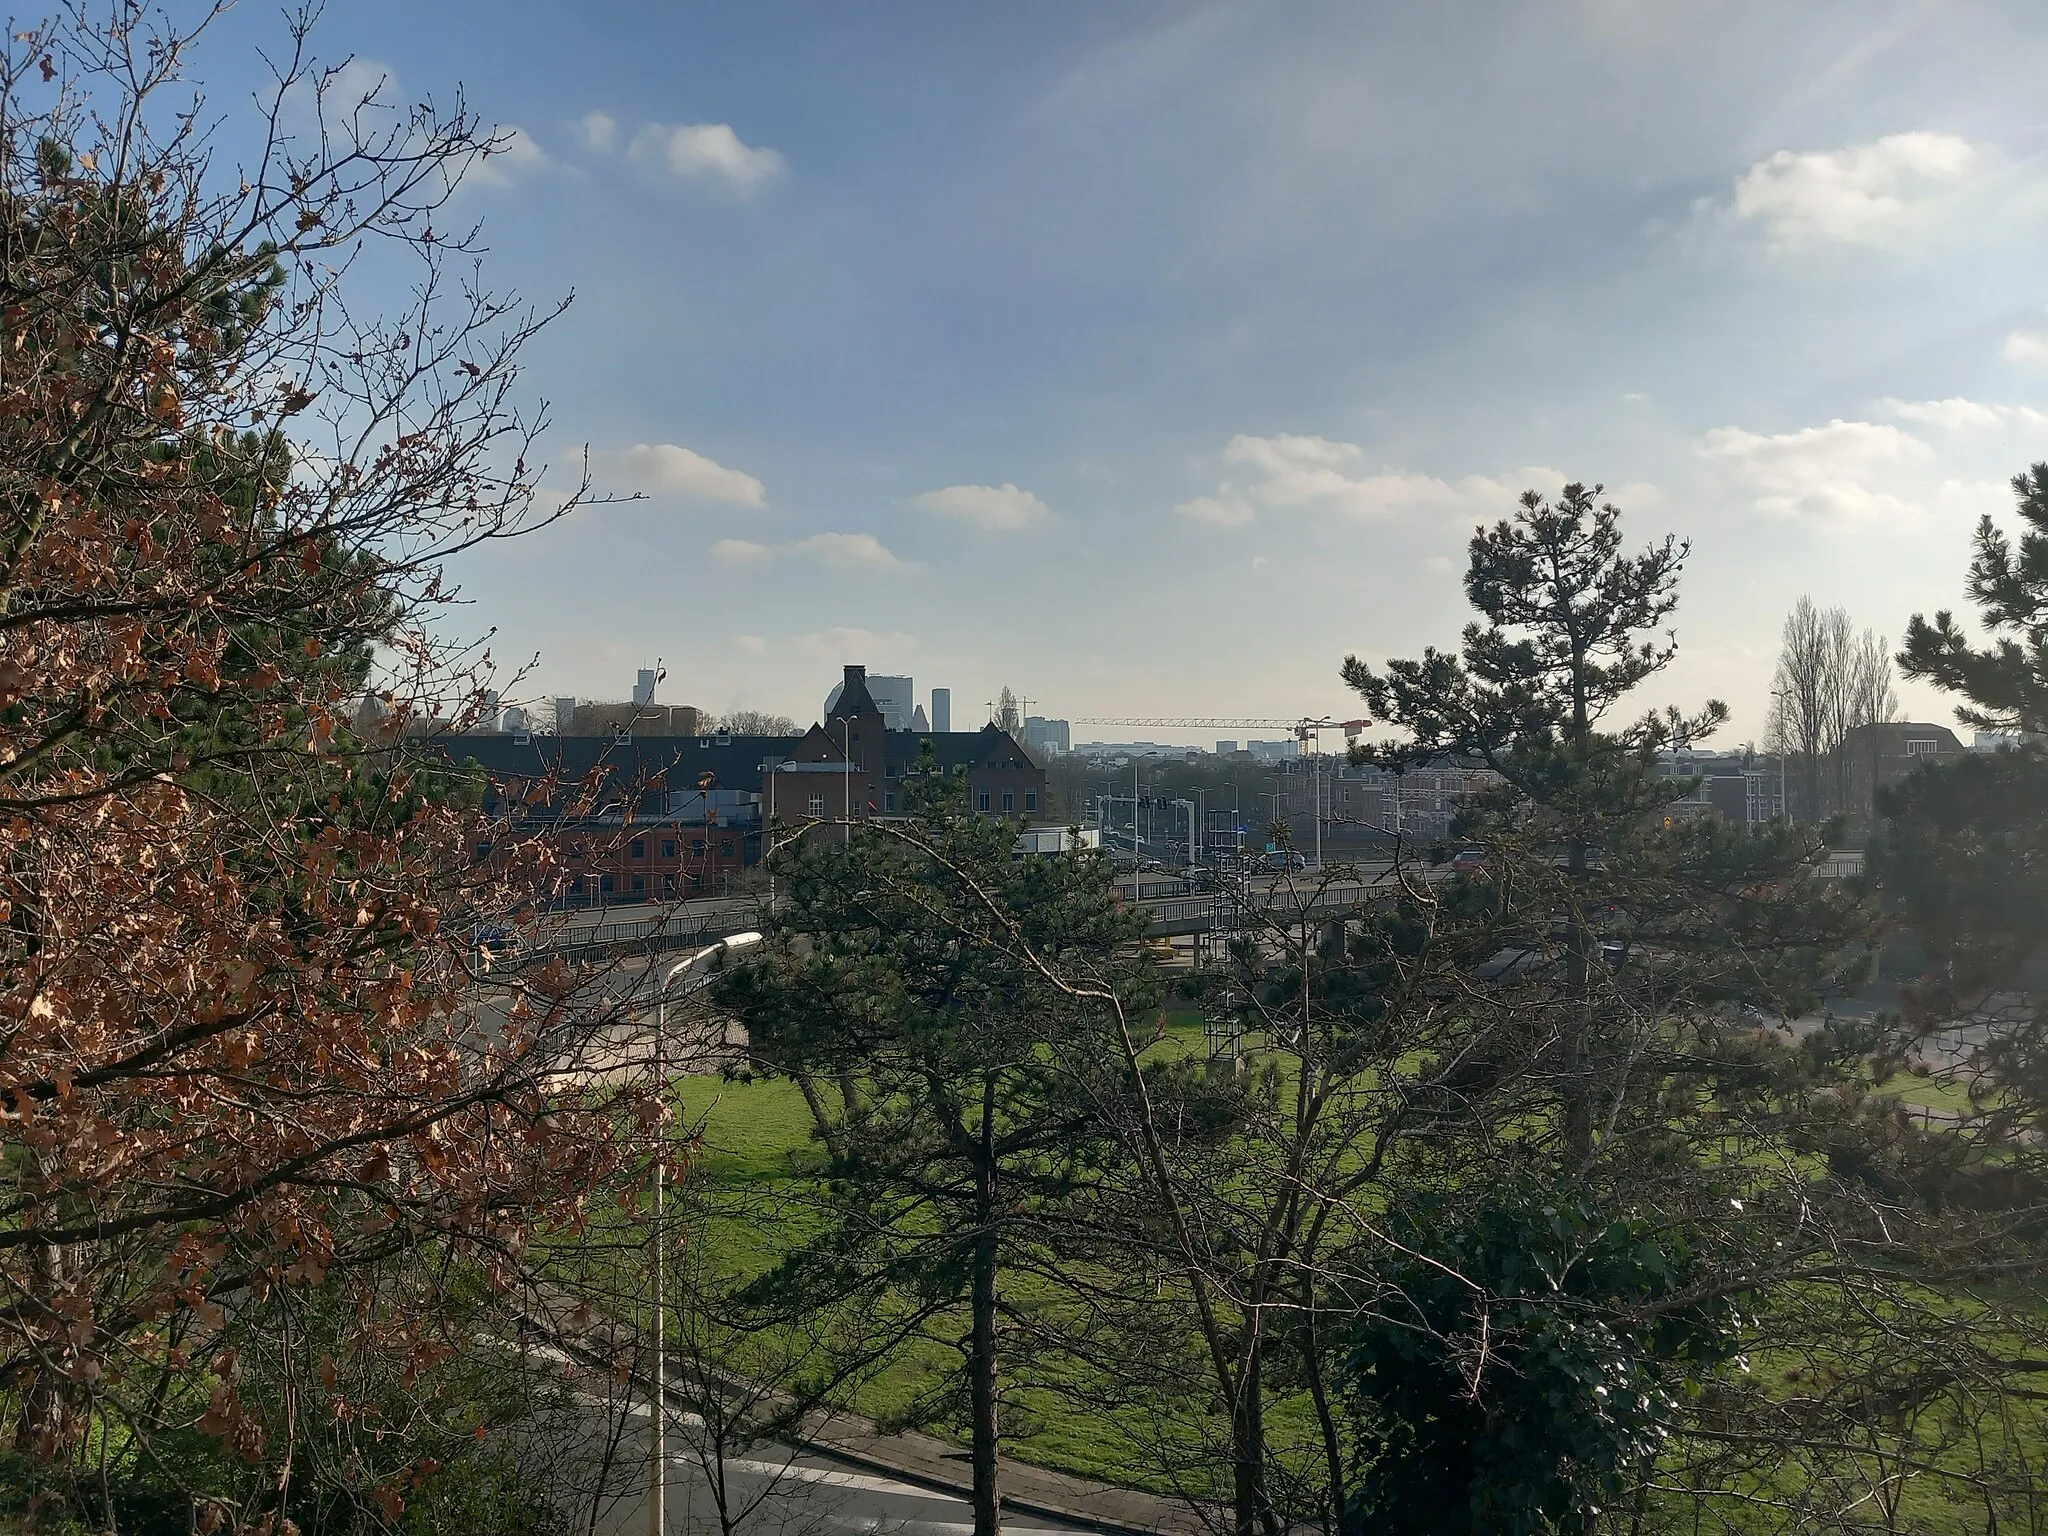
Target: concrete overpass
1175	908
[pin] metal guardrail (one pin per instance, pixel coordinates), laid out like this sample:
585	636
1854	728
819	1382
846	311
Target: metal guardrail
646	936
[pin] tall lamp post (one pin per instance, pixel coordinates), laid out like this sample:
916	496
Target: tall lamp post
657	1453
1315	780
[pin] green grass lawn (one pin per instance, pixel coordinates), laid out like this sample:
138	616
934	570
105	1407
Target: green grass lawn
755	1141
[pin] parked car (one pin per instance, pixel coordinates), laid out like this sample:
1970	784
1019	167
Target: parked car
495	938
1469	861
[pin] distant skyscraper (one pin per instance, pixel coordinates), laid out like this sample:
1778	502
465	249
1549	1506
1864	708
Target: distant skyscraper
1225	748
942	710
895	697
1052	736
643	690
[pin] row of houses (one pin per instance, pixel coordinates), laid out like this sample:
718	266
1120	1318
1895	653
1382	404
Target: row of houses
634	817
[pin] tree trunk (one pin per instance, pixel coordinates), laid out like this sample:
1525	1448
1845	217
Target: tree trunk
1326	1422
1250	1507
981	1365
41	1419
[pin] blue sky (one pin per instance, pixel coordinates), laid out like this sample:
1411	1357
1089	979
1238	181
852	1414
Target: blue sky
1149	358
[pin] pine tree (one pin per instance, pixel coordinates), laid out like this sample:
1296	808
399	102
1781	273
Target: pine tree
1965	844
908	989
1627	937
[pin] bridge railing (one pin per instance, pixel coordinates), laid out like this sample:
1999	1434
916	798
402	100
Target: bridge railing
616	940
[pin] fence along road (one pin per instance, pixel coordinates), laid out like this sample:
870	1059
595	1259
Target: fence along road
1175	910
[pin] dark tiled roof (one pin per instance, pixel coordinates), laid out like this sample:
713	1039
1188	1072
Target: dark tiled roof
736	761
987	747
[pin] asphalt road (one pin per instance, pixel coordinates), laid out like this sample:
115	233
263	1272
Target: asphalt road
782	1493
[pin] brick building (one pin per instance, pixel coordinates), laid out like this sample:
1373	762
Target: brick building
653	818
852	764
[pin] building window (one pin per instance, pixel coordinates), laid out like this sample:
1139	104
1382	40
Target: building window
696	847
889	800
725	850
1922	748
668	847
604	885
576	886
639	847
668	886
639	885
1009	801
817	805
1030	799
982	804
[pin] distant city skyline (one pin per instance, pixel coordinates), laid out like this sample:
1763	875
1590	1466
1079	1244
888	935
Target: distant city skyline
1151	360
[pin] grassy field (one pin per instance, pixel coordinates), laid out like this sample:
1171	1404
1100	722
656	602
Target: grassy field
755	1142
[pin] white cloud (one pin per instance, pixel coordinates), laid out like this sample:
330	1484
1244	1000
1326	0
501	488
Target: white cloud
1310	472
751	645
2025	347
841	551
1972	499
850	551
516	155
995	508
1225	511
1866	194
361	91
739	552
1318	474
1437	565
1258	562
597	131
1959	415
1819	471
700	151
684	472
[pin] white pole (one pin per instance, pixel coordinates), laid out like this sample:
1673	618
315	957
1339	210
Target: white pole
657	1398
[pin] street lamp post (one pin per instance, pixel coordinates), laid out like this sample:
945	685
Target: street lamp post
1315	768
657	1455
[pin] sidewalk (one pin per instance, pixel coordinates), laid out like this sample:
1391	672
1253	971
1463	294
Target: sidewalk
1027	1490
941	1465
